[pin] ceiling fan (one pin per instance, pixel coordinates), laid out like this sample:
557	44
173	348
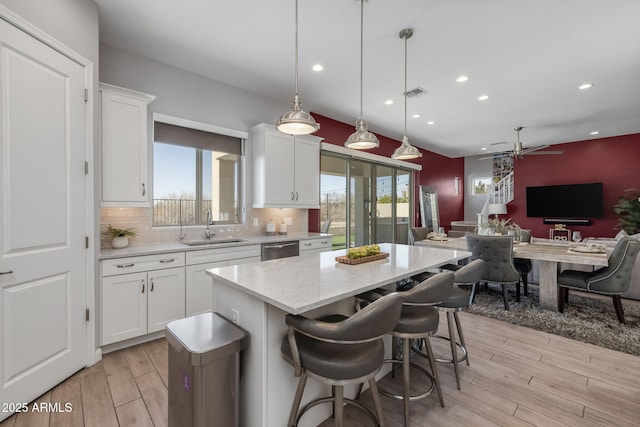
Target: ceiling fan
519	150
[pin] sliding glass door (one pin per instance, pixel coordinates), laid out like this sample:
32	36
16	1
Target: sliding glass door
365	202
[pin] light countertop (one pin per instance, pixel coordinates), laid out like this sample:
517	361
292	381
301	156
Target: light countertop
300	284
160	248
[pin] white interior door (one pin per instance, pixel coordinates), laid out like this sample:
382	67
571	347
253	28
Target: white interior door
42	217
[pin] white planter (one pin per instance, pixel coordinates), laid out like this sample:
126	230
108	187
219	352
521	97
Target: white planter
120	242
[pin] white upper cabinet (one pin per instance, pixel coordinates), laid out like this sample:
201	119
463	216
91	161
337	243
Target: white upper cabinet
286	169
124	127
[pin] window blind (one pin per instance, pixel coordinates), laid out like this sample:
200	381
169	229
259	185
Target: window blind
179	135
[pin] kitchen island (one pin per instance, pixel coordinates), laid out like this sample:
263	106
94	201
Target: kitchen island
259	295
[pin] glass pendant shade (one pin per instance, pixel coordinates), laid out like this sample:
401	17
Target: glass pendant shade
406	151
362	139
297	121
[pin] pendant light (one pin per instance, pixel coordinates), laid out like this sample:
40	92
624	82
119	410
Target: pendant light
361	139
405	151
296	121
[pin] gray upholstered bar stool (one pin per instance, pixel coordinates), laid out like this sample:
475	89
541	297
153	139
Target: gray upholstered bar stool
418	320
459	299
339	350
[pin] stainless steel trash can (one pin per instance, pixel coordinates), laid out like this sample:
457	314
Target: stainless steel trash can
204	371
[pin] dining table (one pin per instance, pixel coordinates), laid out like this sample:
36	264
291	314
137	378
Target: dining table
548	253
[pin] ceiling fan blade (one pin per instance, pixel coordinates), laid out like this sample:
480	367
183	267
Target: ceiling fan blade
539	153
527	150
496	156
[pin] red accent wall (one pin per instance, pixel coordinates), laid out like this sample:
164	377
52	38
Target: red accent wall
613	161
437	171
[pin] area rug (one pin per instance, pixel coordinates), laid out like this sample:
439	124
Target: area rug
586	319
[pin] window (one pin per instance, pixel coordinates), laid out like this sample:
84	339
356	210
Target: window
482	185
366	202
194	172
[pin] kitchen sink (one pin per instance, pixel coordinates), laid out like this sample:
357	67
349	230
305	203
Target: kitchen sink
211	242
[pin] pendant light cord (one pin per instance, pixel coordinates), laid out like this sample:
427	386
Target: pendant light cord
361	49
405	84
296	48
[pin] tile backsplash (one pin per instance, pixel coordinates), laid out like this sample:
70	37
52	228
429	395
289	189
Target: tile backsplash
140	219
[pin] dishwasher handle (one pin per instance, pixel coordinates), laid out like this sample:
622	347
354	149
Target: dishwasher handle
281	246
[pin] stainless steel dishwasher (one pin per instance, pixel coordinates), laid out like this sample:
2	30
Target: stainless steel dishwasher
280	250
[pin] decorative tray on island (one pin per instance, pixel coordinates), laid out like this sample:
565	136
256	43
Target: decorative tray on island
352	261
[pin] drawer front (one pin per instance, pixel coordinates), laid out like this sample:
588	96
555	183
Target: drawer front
222	254
111	267
316	245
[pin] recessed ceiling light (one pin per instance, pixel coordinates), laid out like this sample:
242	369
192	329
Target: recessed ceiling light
388	102
462	79
595	132
483	97
586	86
483	149
431	122
417	116
317	67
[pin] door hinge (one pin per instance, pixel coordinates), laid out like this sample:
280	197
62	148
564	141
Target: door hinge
86	168
86	95
86	315
86	242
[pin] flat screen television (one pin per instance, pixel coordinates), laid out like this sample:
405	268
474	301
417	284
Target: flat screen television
565	201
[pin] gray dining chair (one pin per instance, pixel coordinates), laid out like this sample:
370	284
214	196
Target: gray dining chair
612	280
497	253
418	233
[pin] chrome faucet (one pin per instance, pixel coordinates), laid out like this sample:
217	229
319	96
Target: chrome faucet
207	233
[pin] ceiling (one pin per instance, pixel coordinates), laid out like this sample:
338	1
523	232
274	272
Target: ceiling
528	56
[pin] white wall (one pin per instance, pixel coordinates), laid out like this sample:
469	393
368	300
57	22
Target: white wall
473	169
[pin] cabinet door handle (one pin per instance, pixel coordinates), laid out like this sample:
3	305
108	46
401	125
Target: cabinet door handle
142	281
292	195
168	260
125	265
151	285
307	244
296	195
144	190
6	272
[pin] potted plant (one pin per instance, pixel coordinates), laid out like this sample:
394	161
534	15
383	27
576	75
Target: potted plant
628	207
499	226
120	236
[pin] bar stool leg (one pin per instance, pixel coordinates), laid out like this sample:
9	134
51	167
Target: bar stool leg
405	378
432	362
454	350
338	405
296	400
461	335
375	395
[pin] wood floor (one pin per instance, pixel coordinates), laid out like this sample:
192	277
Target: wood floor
517	377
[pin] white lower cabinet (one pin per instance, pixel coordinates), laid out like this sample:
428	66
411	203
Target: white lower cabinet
314	246
199	286
142	302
